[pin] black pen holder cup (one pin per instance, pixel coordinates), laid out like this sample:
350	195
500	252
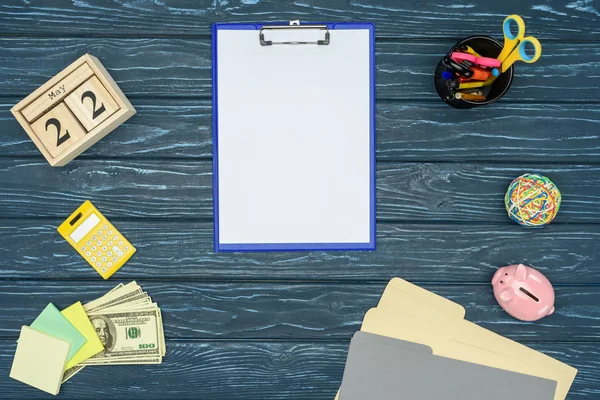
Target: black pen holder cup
486	47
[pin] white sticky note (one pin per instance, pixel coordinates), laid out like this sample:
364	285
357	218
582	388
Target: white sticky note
40	360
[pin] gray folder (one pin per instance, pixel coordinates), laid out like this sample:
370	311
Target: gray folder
382	368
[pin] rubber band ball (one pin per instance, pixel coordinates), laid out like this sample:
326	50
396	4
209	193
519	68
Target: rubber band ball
532	200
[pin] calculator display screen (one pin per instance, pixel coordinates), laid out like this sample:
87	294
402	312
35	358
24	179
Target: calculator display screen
84	228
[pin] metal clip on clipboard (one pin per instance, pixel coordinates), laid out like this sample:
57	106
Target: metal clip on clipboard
294	25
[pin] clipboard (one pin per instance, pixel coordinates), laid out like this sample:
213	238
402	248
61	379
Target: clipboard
294	136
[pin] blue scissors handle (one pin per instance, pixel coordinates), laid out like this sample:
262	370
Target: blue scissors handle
520	53
537	49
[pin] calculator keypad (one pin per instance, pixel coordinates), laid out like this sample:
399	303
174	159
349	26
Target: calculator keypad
117	251
105	248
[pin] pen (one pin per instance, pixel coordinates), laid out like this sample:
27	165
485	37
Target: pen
471	51
469	96
472	85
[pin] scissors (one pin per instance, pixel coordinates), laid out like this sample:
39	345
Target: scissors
514	45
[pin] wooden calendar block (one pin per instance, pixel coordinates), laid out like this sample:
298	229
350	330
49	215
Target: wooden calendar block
57	92
91	103
58	129
82	100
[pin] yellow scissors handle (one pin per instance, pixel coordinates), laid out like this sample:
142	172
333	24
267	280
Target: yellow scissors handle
520	55
511	41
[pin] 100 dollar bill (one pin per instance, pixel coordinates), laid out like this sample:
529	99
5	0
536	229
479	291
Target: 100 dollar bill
125	360
114	293
123	298
127	334
72	371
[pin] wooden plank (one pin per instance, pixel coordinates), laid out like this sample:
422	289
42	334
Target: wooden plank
442	18
530	132
253	370
141	189
462	192
272	310
182	67
140	67
431	131
33	249
162	128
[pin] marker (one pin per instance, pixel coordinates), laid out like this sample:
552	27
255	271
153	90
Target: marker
480	74
456	84
485	62
473	85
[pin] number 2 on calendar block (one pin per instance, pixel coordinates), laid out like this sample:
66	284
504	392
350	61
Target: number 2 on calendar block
58	129
91	103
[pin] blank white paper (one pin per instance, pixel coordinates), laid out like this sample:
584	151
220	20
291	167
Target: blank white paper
293	140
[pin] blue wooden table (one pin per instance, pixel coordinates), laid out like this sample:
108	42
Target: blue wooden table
277	325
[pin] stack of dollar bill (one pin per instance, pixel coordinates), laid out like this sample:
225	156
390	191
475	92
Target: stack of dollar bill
129	326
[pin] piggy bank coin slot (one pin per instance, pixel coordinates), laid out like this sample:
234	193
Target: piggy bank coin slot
529	294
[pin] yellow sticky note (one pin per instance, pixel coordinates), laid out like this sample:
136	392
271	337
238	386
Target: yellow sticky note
40	360
79	319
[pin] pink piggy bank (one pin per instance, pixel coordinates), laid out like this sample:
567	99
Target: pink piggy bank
523	292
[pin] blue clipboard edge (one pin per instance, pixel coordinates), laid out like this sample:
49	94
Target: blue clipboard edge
257	247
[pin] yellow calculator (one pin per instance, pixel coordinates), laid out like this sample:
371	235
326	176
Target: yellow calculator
96	239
